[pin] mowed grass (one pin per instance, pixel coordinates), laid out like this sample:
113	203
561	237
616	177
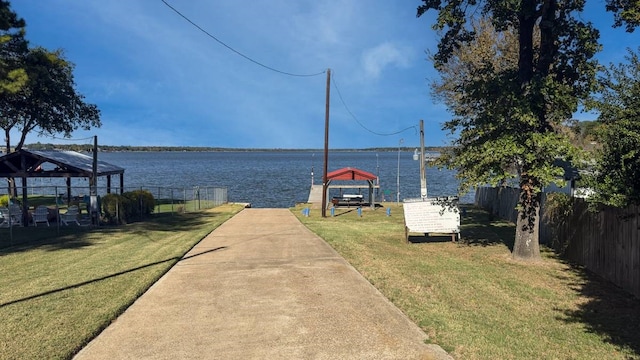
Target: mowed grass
61	289
472	299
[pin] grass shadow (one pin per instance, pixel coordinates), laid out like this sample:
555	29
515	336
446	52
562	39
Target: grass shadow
480	228
341	212
610	312
137	268
65	237
27	238
425	239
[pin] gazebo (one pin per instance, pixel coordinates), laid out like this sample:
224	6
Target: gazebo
353	174
26	164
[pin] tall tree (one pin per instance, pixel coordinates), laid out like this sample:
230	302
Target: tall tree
513	115
617	174
13	46
49	103
37	88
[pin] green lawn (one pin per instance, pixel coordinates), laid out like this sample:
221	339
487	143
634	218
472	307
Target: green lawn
60	289
476	302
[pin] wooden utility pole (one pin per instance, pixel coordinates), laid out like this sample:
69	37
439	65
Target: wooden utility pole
93	188
326	146
423	177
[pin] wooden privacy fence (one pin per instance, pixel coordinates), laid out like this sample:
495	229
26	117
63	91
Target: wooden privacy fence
606	242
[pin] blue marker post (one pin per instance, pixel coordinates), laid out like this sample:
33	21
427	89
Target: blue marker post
360	212
333	212
388	211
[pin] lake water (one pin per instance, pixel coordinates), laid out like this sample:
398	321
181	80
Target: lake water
272	178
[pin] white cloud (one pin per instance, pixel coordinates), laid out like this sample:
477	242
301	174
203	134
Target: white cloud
386	54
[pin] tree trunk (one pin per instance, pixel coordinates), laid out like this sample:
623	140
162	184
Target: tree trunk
527	20
7	141
527	245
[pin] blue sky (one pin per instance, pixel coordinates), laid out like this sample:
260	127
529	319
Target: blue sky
160	81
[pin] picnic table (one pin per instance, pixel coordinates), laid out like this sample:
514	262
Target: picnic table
347	199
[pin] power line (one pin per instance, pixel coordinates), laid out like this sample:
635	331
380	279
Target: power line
358	121
66	139
234	50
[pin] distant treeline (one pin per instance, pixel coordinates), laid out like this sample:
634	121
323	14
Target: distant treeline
122	148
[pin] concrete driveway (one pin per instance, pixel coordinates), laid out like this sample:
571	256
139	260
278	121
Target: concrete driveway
262	286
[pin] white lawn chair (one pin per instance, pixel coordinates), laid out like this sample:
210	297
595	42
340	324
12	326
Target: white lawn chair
71	216
41	215
15	211
5	218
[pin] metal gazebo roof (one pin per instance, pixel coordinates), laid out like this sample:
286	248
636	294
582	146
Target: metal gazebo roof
27	163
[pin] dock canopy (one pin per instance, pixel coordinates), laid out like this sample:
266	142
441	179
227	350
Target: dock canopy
350	173
353	174
26	164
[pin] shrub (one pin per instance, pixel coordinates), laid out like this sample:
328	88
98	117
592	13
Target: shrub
113	209
141	203
128	207
4	200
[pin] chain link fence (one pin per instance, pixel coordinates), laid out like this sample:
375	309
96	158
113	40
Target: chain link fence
167	199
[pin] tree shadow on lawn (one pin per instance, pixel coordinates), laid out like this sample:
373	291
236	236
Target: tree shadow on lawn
28	238
608	311
91	281
170	222
478	227
73	236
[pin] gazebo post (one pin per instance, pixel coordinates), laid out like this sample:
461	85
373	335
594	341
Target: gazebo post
68	190
372	200
25	206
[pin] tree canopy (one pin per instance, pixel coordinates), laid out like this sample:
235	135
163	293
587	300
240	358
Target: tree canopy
616	178
626	13
509	112
12	45
39	92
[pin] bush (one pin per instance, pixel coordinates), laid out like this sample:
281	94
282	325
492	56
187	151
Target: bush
128	207
141	203
113	209
4	200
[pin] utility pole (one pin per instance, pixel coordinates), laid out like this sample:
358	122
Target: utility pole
326	146
423	177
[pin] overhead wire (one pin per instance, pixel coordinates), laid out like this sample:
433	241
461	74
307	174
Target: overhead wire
335	85
67	139
284	72
234	50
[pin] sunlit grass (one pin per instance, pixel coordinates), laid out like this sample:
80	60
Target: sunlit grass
60	289
476	302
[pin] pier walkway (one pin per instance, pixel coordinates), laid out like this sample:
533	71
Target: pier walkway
315	196
262	286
